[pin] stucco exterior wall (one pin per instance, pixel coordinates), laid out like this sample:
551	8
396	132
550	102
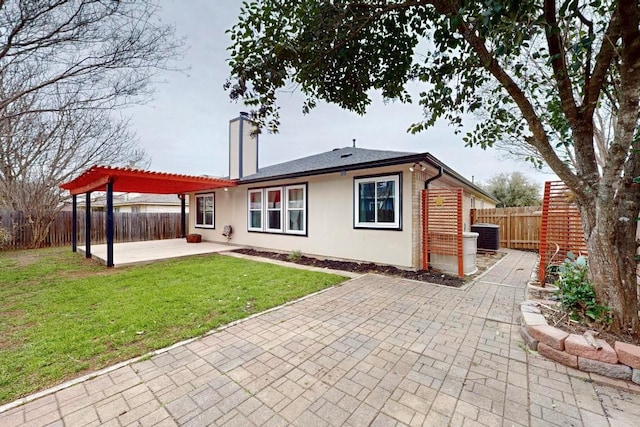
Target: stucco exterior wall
330	222
330	226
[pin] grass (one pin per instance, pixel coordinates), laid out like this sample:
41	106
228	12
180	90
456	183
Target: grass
62	315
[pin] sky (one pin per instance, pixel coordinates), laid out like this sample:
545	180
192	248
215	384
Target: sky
184	128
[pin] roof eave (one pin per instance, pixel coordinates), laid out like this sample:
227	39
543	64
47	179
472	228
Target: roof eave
334	169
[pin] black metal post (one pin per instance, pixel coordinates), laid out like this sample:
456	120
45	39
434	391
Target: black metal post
87	226
74	223
183	215
110	224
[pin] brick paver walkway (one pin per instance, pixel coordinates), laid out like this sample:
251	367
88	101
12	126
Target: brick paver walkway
375	351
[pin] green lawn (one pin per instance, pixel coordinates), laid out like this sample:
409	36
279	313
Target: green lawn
62	315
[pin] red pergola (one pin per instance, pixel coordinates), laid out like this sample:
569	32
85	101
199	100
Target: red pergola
110	179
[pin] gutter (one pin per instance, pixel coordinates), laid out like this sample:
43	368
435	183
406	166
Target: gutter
433	178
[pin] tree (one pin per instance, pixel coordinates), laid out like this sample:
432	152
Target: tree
490	56
513	190
66	68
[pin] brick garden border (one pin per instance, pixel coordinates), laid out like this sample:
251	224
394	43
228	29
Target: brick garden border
622	361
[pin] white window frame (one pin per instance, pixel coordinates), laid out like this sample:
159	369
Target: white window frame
267	209
397	202
303	209
261	210
284	210
198	224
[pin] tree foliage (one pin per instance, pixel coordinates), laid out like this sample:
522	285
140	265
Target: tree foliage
536	70
67	67
513	189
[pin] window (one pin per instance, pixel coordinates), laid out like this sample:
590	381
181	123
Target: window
274	209
278	209
255	210
205	205
296	209
377	202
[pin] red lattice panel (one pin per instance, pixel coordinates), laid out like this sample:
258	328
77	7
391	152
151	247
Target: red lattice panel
442	225
561	227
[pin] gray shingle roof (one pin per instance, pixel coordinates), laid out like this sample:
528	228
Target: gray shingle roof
347	157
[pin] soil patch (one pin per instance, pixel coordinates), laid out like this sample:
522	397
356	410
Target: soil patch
483	262
559	319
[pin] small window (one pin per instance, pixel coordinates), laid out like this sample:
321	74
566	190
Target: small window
377	202
255	210
296	209
274	209
205	210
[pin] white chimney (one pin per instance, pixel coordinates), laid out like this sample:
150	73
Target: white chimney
243	147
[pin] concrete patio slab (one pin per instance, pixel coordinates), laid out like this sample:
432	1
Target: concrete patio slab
154	250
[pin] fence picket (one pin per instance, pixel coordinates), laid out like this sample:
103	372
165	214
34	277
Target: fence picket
519	226
128	227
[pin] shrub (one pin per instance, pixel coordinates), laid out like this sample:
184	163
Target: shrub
295	255
576	293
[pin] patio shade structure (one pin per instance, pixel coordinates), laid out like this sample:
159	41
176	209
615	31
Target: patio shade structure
110	179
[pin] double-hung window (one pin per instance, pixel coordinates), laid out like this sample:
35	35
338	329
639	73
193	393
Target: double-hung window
377	202
255	210
295	209
274	210
278	209
205	210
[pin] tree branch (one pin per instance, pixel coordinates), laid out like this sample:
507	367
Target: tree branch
540	139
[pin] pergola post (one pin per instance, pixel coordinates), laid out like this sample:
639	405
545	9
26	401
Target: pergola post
74	223
183	215
110	224
87	226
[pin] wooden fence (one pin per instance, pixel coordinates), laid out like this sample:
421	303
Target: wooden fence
519	227
128	227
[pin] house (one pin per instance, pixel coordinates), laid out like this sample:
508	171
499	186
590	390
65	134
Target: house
137	203
348	203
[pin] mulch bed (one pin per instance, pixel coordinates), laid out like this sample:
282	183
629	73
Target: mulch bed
559	319
430	276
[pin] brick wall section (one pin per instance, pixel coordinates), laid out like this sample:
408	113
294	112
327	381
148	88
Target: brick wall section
621	361
417	185
628	354
553	337
579	346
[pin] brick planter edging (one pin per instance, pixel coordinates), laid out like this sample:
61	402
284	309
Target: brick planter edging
622	361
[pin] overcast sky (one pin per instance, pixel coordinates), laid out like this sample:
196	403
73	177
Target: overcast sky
184	128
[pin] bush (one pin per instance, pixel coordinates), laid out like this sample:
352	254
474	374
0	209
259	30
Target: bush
295	256
576	293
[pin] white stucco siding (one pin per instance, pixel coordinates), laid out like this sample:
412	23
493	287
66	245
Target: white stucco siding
330	222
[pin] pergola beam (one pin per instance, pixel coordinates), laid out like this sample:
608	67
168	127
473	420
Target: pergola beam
98	183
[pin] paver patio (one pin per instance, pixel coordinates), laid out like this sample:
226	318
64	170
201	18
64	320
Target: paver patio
375	351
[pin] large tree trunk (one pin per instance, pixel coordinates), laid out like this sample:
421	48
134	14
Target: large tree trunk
611	242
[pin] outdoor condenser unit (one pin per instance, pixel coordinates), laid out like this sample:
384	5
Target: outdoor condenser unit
488	236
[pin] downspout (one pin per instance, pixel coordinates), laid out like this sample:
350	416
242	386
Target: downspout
425	254
433	178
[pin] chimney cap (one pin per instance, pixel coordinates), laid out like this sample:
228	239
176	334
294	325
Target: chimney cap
244	114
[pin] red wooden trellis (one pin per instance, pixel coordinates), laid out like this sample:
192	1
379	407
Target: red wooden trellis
442	225
561	227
